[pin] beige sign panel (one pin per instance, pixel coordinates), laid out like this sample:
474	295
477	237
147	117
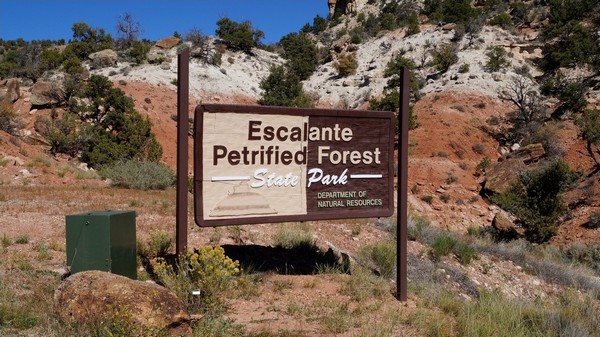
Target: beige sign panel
259	164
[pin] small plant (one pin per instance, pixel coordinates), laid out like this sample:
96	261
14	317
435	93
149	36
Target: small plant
294	237
484	164
22	239
427	198
464	68
382	256
445	197
479	148
451	179
496	59
142	175
160	243
465	254
442	245
6	241
206	269
43	251
346	64
416	223
593	221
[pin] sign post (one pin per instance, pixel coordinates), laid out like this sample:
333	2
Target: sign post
183	85
402	207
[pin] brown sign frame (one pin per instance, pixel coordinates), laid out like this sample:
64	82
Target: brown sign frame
264	110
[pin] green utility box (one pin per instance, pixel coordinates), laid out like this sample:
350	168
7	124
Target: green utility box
102	241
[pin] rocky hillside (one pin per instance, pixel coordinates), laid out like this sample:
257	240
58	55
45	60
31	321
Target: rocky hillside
463	107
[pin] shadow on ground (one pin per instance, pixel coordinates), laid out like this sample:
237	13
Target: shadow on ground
304	260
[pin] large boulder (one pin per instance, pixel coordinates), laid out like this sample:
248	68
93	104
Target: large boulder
168	42
104	58
505	228
46	94
501	176
10	91
90	297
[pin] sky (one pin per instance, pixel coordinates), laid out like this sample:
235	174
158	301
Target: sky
53	19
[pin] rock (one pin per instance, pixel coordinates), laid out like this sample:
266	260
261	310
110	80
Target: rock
448	27
158	55
89	297
104	58
12	92
15	161
46	94
506	228
515	147
25	172
33	111
168	42
502	175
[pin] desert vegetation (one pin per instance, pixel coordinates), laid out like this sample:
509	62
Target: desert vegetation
532	69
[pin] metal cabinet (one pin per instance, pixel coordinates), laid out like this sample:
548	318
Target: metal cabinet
103	241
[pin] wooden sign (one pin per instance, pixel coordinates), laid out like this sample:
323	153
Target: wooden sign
255	164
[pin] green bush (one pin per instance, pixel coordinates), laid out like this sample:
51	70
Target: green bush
382	255
496	59
139	51
117	131
573	44
465	253
297	237
301	53
444	56
536	200
456	11
238	36
392	71
503	20
141	175
283	88
63	133
159	244
443	245
590	129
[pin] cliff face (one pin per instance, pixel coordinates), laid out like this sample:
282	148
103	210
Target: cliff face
341	7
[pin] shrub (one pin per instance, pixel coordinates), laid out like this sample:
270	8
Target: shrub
283	88
238	36
443	245
63	134
301	53
141	175
294	238
117	131
590	129
159	244
207	270
139	51
465	253
427	198
479	148
464	68
346	64
496	59
593	221
444	56
382	255
9	120
22	239
536	199
392	71
416	224
503	20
